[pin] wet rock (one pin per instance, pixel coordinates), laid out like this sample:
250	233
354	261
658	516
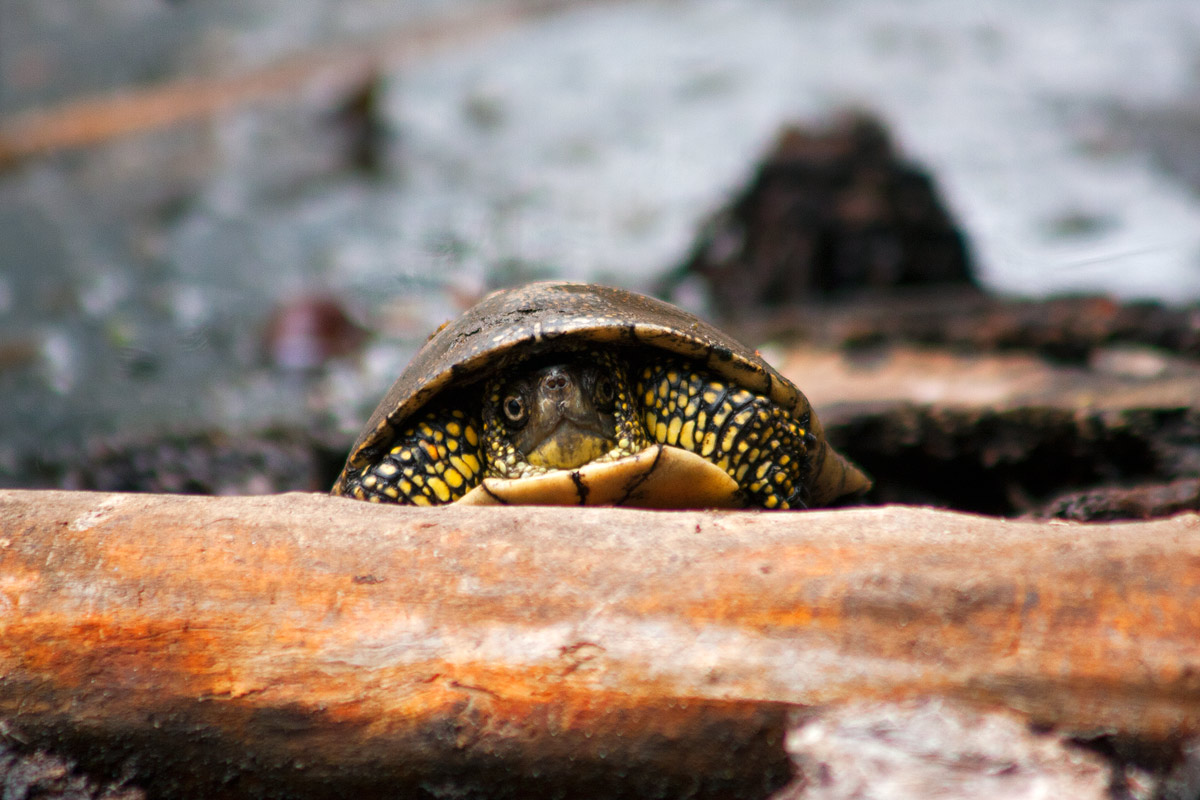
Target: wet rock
934	750
39	775
829	210
211	462
1146	501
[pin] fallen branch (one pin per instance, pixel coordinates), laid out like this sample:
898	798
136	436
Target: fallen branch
337	71
338	645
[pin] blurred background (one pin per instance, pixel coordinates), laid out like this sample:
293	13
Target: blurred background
226	226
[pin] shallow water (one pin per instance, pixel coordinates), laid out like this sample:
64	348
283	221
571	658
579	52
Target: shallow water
136	279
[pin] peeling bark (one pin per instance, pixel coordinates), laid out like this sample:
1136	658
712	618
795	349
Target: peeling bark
268	645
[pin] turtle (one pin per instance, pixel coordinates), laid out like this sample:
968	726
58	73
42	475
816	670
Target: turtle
559	393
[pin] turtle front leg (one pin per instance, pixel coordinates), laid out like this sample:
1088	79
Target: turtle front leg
435	461
746	434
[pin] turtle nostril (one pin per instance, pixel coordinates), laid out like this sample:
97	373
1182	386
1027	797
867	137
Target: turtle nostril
555	381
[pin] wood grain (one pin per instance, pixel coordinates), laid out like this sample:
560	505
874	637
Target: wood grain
331	643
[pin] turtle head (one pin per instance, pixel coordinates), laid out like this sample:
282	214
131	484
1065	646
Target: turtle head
561	415
559	412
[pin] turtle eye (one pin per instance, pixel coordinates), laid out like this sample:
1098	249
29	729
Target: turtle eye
514	409
605	393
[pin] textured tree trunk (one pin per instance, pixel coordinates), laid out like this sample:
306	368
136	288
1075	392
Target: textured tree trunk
267	645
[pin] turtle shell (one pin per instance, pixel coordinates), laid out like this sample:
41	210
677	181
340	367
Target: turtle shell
526	320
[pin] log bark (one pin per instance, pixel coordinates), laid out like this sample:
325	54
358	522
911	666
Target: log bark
1008	434
308	643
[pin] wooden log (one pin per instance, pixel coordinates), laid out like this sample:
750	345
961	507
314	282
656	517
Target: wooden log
339	646
1011	433
336	72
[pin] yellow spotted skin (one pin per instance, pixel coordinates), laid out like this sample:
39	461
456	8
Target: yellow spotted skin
760	446
436	461
448	451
